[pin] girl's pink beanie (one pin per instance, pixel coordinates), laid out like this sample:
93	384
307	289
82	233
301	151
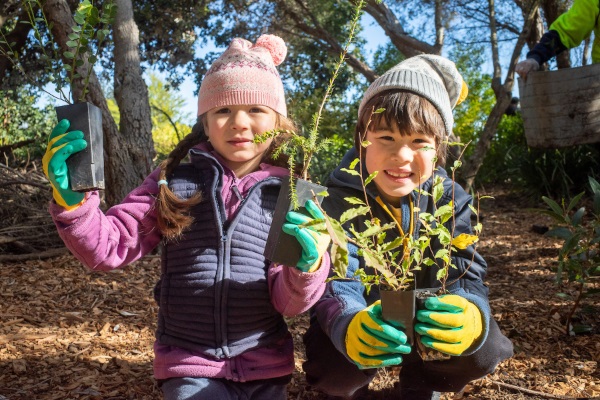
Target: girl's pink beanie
245	74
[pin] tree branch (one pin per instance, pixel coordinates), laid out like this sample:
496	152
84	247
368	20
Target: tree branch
406	44
318	32
18	36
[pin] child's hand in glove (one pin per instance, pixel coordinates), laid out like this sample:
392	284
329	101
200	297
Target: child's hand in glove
450	324
314	243
372	342
61	144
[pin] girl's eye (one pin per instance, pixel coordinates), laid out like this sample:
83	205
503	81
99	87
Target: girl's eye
223	110
257	110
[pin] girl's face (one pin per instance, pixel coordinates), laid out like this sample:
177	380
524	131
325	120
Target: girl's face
231	131
402	162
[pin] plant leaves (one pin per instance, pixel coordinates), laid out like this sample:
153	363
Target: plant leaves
350	171
354	201
353	213
464	240
371	177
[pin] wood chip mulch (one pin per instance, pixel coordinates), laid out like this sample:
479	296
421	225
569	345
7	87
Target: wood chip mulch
68	333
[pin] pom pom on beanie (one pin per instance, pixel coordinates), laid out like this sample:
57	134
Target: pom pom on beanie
275	46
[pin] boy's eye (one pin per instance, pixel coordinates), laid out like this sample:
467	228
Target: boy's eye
386	138
424	140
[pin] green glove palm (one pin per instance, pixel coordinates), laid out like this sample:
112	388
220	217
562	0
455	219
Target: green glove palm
313	243
372	342
450	324
60	146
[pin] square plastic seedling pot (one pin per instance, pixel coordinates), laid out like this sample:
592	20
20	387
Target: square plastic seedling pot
282	248
86	168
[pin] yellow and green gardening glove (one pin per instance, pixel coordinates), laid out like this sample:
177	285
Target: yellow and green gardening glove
61	144
450	324
313	243
372	342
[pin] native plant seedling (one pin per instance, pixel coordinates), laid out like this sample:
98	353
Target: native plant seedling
283	248
579	257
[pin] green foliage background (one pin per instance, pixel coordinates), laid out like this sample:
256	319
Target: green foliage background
20	120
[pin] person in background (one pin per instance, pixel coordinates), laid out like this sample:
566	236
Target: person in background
220	332
567	32
348	339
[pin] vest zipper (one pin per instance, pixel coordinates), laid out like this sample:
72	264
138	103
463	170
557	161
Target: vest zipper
236	190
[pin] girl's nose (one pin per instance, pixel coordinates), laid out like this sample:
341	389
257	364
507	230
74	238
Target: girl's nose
240	120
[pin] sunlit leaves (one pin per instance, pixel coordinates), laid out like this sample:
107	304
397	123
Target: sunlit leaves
464	240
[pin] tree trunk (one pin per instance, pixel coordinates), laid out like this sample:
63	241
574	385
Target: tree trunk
59	13
128	153
502	92
132	152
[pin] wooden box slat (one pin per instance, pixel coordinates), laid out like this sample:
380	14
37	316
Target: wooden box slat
561	108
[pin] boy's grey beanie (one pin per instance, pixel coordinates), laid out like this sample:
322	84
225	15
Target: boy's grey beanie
433	77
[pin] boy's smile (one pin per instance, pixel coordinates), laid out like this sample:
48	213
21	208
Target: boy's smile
402	162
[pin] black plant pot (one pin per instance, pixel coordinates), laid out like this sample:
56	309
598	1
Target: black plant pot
282	248
86	168
401	307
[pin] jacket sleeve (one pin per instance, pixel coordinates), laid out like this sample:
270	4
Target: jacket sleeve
567	31
293	291
124	234
548	47
577	23
467	280
343	298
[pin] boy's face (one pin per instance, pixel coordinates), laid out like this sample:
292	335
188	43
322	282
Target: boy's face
402	162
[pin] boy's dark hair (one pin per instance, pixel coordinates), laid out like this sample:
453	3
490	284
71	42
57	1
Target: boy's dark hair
173	215
407	111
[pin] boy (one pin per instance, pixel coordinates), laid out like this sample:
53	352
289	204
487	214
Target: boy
348	338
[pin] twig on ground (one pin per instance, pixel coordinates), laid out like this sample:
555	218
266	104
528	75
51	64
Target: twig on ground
34	256
519	389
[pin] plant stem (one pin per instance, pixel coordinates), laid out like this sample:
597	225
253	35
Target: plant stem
314	132
574	307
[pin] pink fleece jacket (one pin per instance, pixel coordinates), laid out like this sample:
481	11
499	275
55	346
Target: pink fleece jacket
128	231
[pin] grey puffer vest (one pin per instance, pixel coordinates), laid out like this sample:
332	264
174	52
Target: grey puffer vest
213	292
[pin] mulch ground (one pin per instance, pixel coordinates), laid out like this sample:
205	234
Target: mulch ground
67	333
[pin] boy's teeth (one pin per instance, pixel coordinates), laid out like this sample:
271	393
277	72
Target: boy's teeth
398	175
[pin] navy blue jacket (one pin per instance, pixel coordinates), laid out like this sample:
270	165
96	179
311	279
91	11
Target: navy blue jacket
344	298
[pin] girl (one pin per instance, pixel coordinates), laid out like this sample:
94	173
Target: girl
221	332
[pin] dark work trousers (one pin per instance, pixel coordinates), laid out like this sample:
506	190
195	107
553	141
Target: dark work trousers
329	371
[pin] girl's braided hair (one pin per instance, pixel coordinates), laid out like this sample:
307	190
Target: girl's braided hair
173	214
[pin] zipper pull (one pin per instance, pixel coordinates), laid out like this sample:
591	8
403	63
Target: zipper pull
237	192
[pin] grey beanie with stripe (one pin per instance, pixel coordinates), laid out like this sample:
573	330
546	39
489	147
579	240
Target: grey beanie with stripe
432	77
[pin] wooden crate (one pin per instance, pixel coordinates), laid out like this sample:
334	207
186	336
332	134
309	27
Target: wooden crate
561	108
